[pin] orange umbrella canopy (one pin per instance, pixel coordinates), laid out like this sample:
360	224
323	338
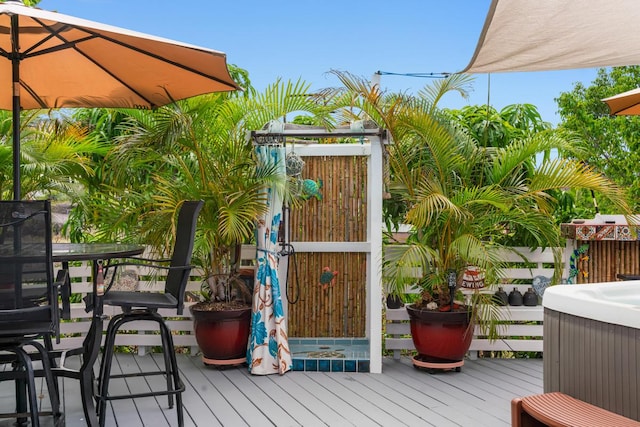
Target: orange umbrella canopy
71	62
625	103
55	60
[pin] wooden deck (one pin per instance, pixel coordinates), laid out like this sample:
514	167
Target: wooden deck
479	395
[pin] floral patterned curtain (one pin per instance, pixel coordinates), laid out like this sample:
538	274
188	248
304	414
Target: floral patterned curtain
268	347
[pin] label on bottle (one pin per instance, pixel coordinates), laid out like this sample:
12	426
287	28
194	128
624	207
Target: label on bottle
100	280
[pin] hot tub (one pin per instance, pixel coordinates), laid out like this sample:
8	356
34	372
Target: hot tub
592	344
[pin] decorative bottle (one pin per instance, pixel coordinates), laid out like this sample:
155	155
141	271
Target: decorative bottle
515	297
501	297
530	298
100	279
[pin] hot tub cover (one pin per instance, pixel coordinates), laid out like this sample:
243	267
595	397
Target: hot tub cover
617	303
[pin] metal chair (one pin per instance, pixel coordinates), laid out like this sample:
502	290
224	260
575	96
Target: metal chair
28	303
138	306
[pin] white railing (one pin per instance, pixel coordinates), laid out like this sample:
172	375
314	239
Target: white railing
140	334
522	328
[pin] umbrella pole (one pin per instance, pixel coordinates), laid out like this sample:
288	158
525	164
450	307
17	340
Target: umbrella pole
15	68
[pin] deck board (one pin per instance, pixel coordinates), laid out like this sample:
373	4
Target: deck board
371	404
411	409
128	410
280	394
343	408
479	395
207	384
321	412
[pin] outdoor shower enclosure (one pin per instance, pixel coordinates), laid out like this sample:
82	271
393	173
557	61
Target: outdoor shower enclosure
342	230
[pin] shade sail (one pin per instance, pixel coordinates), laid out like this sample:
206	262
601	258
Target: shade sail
543	35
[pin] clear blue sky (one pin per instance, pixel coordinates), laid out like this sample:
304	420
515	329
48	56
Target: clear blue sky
305	39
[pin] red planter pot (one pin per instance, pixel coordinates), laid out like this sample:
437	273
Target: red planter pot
221	335
440	335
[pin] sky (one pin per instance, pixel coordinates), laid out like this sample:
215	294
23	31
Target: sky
306	39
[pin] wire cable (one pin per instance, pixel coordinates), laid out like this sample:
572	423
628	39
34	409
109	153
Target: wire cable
442	75
289	251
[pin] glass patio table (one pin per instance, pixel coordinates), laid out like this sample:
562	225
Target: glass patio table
97	253
65	252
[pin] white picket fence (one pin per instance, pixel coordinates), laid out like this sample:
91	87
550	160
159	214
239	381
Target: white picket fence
522	328
139	335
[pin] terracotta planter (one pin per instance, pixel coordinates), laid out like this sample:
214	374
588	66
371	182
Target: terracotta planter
221	335
440	335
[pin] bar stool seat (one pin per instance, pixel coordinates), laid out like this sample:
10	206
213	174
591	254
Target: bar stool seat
144	306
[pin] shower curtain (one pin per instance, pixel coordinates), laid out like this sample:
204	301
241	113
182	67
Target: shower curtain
268	347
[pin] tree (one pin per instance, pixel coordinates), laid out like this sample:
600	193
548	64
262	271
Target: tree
491	128
610	144
54	155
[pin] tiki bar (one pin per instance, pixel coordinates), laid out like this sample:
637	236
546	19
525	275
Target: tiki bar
604	249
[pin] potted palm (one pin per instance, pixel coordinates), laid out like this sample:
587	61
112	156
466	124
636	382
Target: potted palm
224	317
464	202
179	152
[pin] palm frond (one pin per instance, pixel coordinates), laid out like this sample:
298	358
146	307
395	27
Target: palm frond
460	83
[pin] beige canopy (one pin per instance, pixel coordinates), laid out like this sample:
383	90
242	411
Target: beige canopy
542	35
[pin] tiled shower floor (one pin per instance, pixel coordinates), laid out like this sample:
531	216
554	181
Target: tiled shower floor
330	354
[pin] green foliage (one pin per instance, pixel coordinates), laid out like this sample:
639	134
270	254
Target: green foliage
610	144
55	154
28	2
195	149
241	77
465	195
490	128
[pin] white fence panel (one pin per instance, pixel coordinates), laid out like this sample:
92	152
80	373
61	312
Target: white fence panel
522	328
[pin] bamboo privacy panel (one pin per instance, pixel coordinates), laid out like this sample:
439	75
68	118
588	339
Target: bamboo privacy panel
607	258
339	310
341	215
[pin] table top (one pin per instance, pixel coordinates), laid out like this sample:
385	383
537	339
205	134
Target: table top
94	251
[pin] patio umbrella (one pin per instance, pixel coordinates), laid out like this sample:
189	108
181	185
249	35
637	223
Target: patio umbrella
625	103
59	61
268	348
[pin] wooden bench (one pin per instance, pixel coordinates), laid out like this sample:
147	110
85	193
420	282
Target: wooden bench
560	410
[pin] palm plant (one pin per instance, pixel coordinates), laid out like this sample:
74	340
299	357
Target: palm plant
55	154
196	149
463	200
